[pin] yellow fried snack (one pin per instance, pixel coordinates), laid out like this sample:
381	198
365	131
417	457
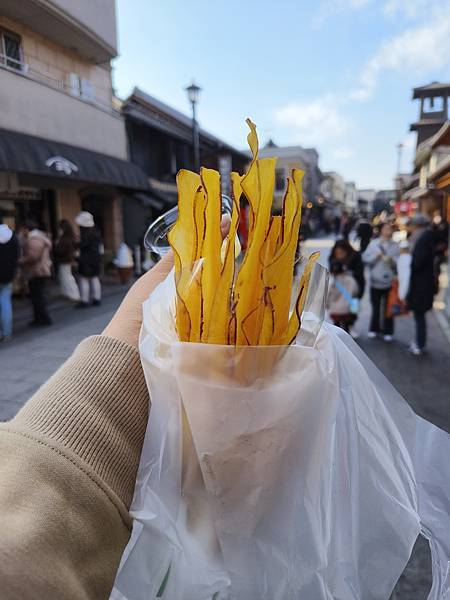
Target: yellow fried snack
183	239
220	327
213	304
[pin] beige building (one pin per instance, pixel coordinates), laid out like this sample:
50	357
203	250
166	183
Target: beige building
289	158
63	145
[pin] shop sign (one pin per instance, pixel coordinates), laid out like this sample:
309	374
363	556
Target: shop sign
62	165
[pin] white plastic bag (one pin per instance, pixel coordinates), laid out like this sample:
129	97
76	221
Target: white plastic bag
124	256
279	474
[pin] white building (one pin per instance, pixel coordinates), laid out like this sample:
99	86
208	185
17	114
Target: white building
351	196
294	157
333	189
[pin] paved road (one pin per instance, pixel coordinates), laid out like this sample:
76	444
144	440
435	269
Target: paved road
423	381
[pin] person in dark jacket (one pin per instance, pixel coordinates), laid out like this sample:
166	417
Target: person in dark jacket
364	232
65	255
421	290
9	254
89	260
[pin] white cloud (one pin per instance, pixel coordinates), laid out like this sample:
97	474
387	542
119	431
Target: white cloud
314	121
412	9
416	50
329	8
343	152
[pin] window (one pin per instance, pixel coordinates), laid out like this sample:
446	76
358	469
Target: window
433	104
82	88
280	180
10	50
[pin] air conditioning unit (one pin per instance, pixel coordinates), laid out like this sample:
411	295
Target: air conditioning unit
73	84
87	89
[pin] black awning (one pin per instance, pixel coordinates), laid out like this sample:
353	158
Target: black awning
29	154
148	200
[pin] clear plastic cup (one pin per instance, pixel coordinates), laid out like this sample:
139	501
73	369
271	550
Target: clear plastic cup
156	240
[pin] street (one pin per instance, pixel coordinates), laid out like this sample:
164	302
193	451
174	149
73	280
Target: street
423	381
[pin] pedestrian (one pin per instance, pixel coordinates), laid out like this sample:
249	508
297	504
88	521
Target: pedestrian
342	302
89	260
65	255
36	265
346	225
421	290
364	232
9	254
344	252
440	231
381	255
337	223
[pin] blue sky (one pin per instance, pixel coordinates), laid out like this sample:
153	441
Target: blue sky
333	74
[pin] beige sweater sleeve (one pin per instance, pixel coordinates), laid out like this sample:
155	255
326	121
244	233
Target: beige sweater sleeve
68	463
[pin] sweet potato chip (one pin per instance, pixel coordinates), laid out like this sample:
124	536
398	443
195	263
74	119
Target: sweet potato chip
212	264
254	308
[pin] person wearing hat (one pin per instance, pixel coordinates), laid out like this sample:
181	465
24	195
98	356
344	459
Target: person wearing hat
422	288
89	260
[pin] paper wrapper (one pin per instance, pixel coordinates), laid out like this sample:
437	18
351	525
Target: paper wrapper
272	473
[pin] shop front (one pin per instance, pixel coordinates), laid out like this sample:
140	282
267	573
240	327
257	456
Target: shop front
48	181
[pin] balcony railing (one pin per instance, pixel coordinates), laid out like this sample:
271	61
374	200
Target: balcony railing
81	89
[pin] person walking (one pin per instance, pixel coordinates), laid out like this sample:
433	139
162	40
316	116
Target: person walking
9	254
65	255
346	225
344	252
36	264
342	302
422	284
364	232
89	260
381	255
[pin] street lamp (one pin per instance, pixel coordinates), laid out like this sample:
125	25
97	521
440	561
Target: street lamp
193	92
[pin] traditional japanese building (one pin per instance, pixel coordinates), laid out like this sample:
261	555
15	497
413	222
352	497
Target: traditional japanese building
160	144
433	112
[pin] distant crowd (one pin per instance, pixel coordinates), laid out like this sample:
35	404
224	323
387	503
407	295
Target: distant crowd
27	253
403	258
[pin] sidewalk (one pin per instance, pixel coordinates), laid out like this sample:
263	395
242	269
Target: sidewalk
22	310
35	354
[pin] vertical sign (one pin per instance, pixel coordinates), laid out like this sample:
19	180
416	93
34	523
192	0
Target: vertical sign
225	172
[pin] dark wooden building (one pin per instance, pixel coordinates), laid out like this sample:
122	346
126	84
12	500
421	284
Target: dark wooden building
433	109
160	143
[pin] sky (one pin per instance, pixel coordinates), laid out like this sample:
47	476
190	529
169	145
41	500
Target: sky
336	75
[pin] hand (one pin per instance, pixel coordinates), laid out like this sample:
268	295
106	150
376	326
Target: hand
126	322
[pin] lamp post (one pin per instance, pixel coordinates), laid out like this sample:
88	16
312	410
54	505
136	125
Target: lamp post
193	92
